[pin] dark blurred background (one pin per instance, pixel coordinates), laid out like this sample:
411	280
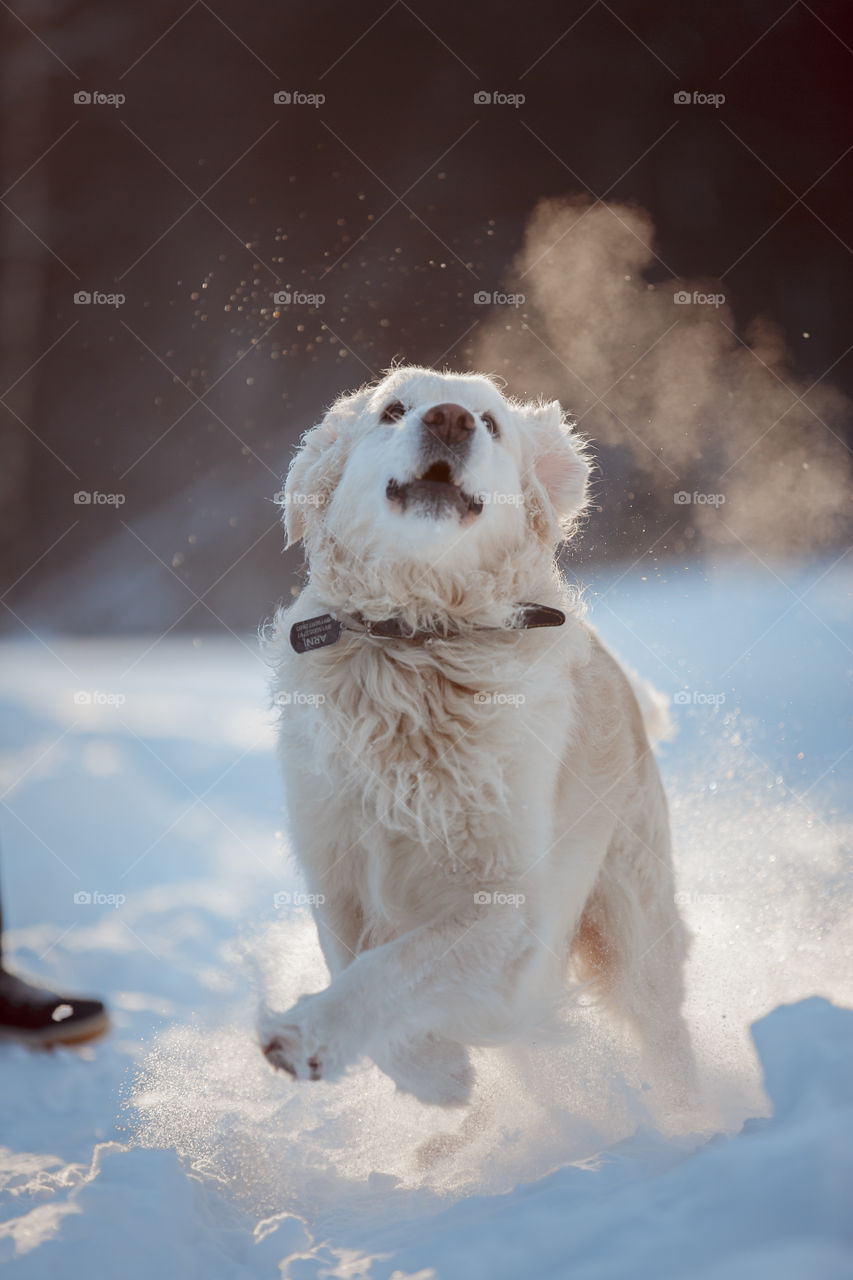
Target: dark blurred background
398	198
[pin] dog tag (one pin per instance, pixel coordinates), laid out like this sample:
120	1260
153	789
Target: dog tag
541	615
315	633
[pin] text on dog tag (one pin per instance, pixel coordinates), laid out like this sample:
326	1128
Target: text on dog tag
315	633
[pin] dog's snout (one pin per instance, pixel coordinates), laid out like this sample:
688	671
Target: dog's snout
449	423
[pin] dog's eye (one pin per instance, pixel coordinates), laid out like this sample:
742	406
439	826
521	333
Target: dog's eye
490	425
393	412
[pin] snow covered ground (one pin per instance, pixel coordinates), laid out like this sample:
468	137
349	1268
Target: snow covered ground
142	860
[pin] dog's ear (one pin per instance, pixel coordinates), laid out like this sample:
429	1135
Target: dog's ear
301	489
561	467
318	465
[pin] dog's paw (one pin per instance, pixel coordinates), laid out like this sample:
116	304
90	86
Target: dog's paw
297	1042
285	1051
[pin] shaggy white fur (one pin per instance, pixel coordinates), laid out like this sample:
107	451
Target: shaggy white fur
479	817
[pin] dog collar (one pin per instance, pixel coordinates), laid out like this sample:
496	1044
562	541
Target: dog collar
326	628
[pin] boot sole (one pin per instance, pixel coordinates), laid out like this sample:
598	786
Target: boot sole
49	1037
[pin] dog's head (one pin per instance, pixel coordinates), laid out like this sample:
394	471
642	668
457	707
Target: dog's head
425	462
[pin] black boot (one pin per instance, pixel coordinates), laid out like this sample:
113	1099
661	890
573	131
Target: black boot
42	1018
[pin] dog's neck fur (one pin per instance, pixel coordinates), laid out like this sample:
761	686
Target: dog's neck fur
413	727
433	595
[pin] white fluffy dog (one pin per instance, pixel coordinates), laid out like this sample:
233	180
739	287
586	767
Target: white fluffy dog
471	792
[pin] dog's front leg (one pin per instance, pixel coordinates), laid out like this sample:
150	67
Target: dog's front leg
455	977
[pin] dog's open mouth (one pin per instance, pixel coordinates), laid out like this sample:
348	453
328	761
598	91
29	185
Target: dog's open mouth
434	492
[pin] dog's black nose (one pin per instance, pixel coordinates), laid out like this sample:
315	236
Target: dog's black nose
449	423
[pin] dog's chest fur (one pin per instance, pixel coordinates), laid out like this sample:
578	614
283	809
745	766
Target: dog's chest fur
424	743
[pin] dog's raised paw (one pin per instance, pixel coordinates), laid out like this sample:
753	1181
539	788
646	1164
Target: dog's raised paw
286	1052
280	1052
